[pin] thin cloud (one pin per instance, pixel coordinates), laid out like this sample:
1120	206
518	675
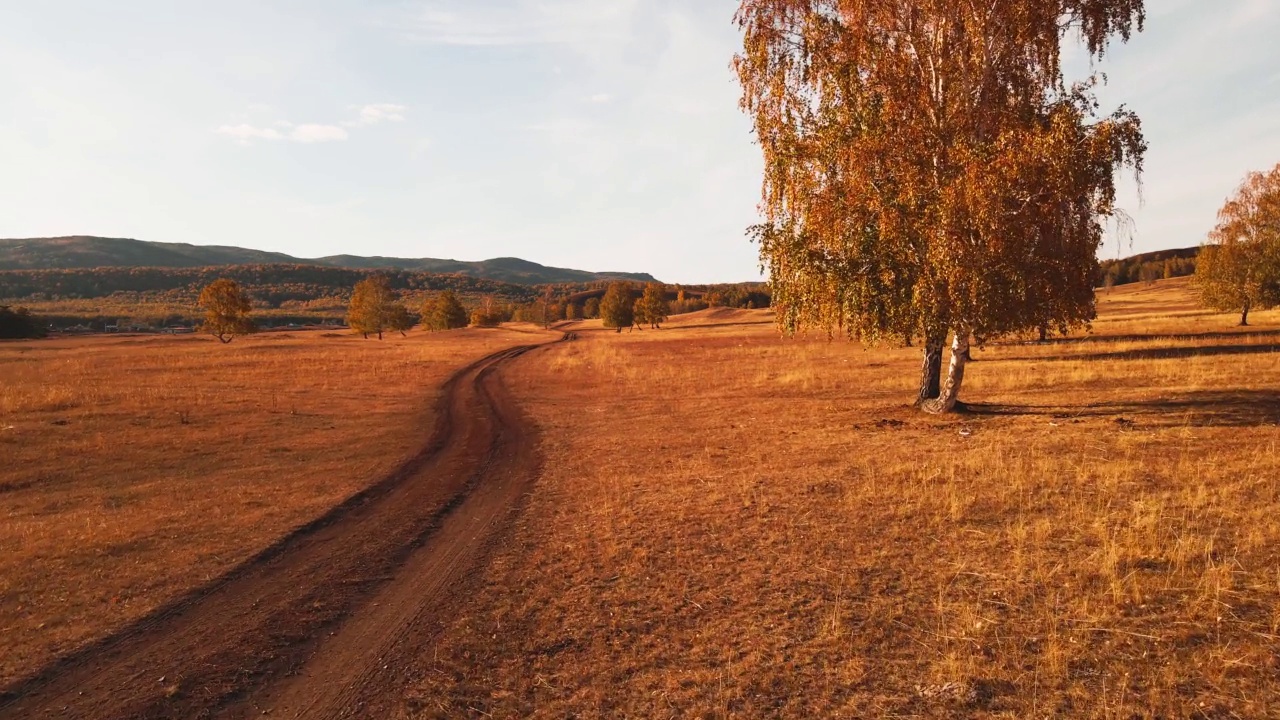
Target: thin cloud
245	132
317	134
600	98
378	113
308	133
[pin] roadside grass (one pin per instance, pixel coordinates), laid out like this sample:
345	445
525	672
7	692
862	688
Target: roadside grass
734	524
138	468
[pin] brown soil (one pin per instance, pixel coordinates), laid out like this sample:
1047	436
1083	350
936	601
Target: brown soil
332	620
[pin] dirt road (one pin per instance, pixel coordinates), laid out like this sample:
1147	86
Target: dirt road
330	621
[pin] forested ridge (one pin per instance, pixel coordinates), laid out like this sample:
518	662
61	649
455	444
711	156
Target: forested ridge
272	285
305	293
1158	265
87	251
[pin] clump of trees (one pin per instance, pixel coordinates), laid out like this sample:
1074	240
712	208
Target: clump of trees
1239	268
1148	267
748	295
227	309
652	307
617	308
374	309
443	312
929	172
490	314
19	323
684	303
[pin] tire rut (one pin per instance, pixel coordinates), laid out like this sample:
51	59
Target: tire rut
332	620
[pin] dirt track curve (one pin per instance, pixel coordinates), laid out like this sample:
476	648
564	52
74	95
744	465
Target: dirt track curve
332	620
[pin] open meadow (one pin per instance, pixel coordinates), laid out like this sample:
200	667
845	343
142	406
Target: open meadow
137	468
731	524
720	522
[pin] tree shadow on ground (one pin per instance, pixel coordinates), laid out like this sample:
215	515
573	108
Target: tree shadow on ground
1232	408
704	326
1247	331
1167	353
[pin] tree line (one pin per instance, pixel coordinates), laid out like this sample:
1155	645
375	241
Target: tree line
1148	267
376	309
583	302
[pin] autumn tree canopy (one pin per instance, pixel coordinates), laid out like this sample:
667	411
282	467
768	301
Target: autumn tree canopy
928	169
1239	268
227	310
373	308
444	312
489	314
652	308
617	308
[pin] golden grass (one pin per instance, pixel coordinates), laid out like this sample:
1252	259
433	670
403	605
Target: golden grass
137	468
732	524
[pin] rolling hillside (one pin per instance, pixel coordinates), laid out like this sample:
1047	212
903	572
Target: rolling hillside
82	251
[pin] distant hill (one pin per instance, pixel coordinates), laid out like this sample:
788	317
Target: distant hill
512	270
83	251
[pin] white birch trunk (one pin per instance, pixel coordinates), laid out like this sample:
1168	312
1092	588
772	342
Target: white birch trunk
946	400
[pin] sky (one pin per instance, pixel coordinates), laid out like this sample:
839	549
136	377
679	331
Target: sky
593	134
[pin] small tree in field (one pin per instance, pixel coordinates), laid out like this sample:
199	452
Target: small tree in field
929	170
617	309
373	307
444	312
591	308
226	310
1240	267
399	320
652	308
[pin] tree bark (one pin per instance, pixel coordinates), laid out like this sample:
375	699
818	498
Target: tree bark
931	368
1244	315
947	398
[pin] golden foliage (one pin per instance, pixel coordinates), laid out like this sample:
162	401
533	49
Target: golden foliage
1240	267
227	310
374	308
927	167
617	308
652	308
443	312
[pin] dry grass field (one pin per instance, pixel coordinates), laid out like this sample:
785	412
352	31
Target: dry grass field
138	468
735	525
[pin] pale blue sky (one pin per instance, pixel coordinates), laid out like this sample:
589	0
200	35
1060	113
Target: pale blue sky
598	134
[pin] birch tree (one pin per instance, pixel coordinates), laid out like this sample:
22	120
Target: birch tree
929	172
227	309
1239	268
372	308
